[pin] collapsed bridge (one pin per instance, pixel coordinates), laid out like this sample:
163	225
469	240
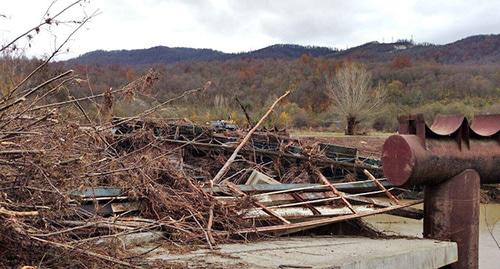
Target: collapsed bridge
451	159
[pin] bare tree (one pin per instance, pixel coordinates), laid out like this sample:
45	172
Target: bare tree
353	95
47	21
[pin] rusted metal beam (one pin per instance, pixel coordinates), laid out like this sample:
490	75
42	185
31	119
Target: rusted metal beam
408	212
235	189
317	222
452	213
334	190
299	198
286	200
351	187
451	159
388	193
320	160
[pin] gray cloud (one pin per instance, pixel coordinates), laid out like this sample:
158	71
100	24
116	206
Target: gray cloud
240	25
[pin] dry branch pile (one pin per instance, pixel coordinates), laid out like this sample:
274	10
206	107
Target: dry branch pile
46	155
67	190
73	183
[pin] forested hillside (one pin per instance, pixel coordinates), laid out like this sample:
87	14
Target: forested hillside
478	49
166	55
412	87
463	77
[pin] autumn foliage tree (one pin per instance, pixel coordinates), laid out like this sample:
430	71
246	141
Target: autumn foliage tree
401	61
353	95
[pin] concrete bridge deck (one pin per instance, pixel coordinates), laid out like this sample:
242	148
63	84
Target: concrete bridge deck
318	252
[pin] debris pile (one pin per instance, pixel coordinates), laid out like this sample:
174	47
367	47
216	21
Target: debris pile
68	191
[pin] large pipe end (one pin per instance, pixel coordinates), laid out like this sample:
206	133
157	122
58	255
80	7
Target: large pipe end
398	159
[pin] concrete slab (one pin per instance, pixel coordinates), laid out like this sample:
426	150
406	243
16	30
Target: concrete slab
318	252
489	231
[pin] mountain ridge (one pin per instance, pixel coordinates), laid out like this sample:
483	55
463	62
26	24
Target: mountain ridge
474	49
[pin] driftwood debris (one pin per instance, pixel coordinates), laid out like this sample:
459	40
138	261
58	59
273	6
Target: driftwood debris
218	177
67	186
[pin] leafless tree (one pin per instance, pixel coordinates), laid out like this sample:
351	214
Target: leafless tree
47	21
353	94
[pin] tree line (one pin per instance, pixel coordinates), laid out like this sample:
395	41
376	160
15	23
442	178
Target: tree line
410	87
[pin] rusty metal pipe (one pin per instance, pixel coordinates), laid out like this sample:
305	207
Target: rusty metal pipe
450	158
407	162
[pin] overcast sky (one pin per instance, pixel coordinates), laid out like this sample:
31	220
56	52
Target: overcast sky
235	26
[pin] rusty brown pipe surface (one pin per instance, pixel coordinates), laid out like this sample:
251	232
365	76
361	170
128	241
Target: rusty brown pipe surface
407	162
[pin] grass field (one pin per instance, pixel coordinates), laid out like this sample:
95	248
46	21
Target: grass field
326	134
368	145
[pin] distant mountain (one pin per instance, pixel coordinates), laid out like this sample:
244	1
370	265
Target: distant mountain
152	55
286	51
161	54
474	49
477	49
375	51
